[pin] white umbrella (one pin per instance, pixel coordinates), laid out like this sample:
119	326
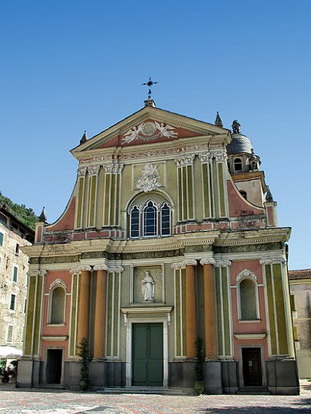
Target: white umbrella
9	352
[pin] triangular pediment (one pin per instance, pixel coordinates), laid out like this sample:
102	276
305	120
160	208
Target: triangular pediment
150	125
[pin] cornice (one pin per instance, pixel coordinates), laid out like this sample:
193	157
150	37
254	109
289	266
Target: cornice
261	236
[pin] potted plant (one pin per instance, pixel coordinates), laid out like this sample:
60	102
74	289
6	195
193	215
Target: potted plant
84	364
199	365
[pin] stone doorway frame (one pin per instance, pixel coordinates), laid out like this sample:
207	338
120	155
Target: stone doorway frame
146	315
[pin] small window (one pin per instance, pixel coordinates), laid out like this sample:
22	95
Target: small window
237	164
12	301
1	239
15	273
57	298
248	300
25	305
17	249
243	194
165	220
10	333
134	222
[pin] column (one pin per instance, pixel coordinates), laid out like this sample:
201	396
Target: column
191	314
209	309
100	312
84	304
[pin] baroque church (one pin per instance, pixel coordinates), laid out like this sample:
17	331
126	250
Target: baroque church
170	235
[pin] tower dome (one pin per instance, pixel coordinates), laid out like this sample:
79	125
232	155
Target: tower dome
240	143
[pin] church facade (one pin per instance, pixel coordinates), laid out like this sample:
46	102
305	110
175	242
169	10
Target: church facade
170	235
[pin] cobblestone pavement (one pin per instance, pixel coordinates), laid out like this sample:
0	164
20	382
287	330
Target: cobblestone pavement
61	402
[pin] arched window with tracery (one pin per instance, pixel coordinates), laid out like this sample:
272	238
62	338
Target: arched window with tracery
150	219
57	305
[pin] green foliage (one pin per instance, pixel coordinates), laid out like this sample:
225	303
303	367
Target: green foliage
24	214
199	342
84	362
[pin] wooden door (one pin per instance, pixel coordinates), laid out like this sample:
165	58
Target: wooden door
252	372
147	357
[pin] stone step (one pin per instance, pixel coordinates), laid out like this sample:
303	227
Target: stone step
141	390
253	391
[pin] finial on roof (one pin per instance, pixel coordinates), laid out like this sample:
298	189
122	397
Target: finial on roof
269	196
236	127
42	217
149	102
84	138
218	120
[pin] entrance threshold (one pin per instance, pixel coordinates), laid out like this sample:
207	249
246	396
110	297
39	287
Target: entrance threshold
142	390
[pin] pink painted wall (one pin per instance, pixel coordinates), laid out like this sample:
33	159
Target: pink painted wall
56	330
248	327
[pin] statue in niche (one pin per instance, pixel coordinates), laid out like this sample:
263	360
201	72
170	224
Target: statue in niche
147	287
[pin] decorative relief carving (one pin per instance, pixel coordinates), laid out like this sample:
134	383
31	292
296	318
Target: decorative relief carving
101	267
149	131
56	283
246	273
275	260
94	169
82	171
185	160
149	180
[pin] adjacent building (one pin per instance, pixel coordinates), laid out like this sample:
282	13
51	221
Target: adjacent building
170	234
14	235
300	290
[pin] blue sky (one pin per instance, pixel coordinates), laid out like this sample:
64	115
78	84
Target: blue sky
69	66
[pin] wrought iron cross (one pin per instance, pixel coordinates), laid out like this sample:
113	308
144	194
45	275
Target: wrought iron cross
149	84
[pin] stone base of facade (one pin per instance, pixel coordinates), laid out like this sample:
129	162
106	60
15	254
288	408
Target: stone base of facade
282	377
220	377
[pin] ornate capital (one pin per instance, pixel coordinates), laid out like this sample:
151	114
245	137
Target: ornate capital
93	169
185	160
178	265
190	262
275	260
101	267
37	272
85	268
113	168
207	260
115	269
223	263
82	171
220	156
75	271
206	157
246	273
